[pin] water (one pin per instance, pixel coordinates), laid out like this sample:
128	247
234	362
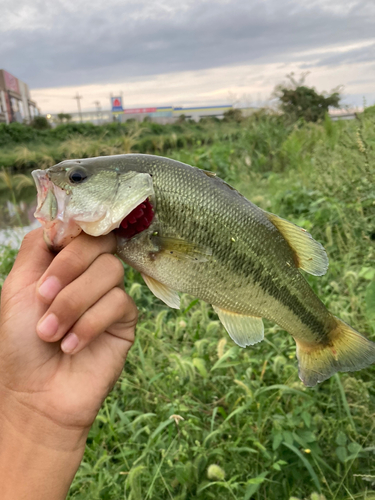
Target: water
16	216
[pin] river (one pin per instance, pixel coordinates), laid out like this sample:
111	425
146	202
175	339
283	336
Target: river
16	215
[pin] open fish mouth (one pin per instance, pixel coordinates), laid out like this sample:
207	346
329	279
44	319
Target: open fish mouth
52	201
67	210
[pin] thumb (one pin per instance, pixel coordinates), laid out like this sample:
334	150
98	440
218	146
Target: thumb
33	258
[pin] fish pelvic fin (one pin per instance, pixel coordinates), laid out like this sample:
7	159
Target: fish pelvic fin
346	351
244	330
162	292
309	254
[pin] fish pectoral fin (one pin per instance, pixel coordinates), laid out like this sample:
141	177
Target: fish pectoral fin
179	248
162	292
309	254
243	329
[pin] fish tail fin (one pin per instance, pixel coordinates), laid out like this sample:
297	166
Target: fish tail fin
346	351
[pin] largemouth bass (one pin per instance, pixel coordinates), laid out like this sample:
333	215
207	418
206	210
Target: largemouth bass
188	231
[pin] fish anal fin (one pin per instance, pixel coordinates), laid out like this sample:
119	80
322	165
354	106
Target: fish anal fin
178	248
309	254
243	329
346	351
162	292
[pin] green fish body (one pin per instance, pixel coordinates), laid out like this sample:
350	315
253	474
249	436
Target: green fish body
200	236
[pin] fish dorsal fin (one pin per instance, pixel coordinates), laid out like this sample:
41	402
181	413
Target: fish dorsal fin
309	254
179	248
209	173
162	292
244	330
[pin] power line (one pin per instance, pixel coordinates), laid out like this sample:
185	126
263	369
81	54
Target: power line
54	96
98	110
79	97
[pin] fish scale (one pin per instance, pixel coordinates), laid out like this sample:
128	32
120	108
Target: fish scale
252	233
207	240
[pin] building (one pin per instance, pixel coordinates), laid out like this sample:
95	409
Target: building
15	101
169	114
161	114
96	117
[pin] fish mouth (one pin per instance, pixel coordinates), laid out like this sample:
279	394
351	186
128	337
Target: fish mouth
139	219
51	212
47	202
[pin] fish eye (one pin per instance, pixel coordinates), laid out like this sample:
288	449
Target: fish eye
77	175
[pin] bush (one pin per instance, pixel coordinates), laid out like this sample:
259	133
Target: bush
233	115
62	117
40	123
301	102
17	132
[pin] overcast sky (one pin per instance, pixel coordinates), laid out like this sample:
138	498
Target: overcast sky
190	52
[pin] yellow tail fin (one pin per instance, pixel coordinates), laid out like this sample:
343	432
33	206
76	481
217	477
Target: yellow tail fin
346	351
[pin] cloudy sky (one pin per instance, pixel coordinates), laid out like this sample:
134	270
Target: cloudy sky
190	52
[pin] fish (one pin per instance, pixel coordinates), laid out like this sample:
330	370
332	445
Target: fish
186	230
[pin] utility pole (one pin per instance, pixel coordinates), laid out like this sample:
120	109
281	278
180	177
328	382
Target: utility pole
79	97
98	109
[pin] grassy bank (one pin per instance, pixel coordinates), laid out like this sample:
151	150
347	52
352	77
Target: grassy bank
19	149
244	410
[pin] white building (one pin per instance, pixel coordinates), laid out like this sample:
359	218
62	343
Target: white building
164	114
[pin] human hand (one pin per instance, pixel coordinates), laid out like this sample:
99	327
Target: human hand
52	396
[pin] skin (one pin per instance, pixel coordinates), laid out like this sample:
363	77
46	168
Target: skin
55	375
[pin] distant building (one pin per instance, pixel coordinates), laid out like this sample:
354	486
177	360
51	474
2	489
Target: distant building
95	117
169	114
161	114
15	102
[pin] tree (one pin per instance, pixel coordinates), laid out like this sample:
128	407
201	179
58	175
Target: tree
233	115
181	119
62	117
299	101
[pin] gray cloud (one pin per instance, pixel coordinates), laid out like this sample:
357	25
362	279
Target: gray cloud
359	55
81	42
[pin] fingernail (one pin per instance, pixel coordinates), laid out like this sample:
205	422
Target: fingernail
48	327
69	343
50	288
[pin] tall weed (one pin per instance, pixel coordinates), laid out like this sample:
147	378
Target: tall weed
195	416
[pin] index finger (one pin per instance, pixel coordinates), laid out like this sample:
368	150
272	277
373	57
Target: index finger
72	261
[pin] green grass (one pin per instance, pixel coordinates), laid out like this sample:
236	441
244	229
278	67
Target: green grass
250	429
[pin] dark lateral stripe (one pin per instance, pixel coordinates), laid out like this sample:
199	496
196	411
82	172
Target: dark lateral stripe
202	233
280	293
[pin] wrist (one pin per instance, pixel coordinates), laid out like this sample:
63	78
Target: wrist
18	418
38	457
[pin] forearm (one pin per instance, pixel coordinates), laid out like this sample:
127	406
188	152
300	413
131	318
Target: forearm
38	459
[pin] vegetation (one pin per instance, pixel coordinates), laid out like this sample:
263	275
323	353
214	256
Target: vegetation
40	123
300	102
193	415
233	114
64	117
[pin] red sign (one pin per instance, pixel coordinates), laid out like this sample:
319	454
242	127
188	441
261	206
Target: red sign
116	103
136	111
11	82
